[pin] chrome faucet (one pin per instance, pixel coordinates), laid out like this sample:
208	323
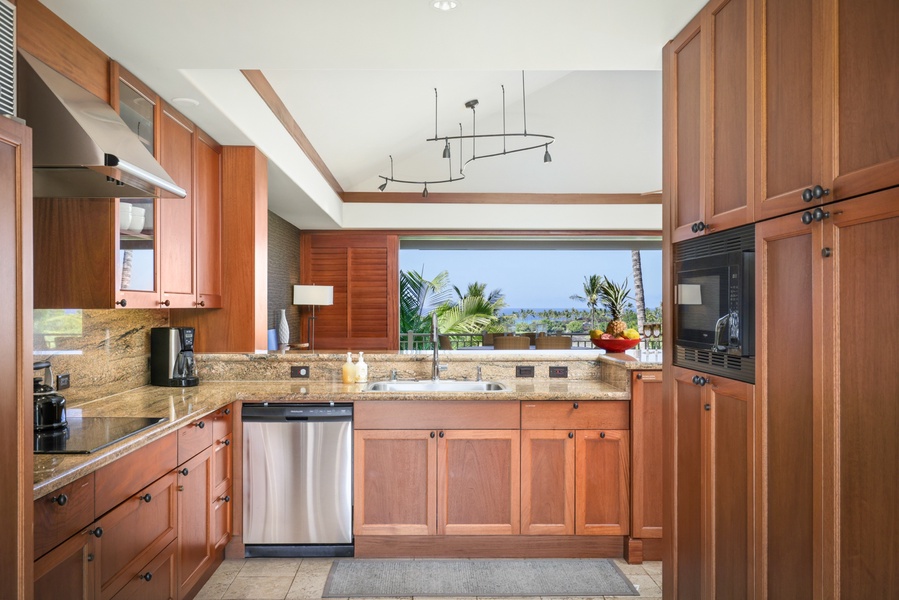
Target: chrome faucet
436	367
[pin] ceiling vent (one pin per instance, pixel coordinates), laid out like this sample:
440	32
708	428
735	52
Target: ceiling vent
7	58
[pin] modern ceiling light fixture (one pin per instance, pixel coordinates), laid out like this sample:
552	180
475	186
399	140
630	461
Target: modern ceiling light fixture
444	5
545	141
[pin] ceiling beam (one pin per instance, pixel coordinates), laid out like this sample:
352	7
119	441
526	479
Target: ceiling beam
278	108
483	198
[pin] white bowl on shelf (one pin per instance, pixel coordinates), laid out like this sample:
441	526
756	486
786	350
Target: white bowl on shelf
137	219
124	216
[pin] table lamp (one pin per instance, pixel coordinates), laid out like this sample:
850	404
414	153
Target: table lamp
313	295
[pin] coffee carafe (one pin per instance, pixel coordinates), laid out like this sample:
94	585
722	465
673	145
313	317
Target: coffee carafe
49	406
172	357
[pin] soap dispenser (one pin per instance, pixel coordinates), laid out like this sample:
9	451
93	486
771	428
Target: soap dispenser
361	369
349	370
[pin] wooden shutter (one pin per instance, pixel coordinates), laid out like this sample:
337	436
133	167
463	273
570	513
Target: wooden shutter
364	272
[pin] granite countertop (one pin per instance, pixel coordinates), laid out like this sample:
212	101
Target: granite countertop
180	406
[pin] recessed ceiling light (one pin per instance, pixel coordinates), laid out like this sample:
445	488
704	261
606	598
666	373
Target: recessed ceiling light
186	101
444	4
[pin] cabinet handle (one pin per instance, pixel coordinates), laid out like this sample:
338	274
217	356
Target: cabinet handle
815	193
708	407
576	406
226	442
166	302
146	498
200	424
807	218
826	252
696	379
98	532
570	435
227	411
61	500
820	214
90	557
226	498
441	434
432	435
201	303
184	471
699	226
123	303
146	576
639	375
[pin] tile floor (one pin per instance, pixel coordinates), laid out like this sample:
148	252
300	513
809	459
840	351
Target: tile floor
304	578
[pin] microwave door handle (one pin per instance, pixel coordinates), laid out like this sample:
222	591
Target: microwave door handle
721	329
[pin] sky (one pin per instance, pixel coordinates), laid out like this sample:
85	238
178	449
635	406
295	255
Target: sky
537	278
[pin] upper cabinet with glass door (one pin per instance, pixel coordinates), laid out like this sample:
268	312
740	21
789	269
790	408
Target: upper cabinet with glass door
137	251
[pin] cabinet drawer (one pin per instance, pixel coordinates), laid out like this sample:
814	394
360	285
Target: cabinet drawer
136	531
194	438
62	513
121	479
437	414
162	582
221	519
222	422
589	414
222	457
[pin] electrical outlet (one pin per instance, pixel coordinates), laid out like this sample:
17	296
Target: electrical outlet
524	371
301	372
62	381
558	371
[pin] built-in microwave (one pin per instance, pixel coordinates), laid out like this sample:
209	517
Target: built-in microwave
714	297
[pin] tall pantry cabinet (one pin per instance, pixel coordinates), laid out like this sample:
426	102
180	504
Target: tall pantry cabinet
822	419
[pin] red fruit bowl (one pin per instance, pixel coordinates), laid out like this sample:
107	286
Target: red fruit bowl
614	345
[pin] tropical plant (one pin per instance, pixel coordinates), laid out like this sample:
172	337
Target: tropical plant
614	297
419	297
591	296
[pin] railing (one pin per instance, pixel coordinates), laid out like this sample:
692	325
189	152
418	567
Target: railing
422	341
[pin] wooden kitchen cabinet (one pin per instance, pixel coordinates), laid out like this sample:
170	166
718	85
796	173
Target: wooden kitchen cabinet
710	124
547	482
195	535
713	487
826	118
70	568
602	499
208	177
157	580
62	513
646	466
222	469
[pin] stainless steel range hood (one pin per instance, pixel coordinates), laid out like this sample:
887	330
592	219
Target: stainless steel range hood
82	148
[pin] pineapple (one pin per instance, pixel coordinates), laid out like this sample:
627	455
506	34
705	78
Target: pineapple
614	296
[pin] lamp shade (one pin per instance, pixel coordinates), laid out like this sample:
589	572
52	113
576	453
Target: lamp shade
313	295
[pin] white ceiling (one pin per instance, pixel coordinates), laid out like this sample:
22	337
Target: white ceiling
358	76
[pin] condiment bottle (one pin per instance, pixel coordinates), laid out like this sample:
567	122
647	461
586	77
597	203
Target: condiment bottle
361	369
349	370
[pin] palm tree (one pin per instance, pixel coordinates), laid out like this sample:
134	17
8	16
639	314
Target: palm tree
419	297
638	289
591	296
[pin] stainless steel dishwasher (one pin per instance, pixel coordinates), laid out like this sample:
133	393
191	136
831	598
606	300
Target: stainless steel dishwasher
298	479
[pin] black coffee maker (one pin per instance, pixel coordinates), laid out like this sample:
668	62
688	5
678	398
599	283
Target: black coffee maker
172	357
49	407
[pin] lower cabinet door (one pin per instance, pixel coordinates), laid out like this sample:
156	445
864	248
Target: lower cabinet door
68	571
221	519
194	519
136	531
478	482
602	477
547	482
156	581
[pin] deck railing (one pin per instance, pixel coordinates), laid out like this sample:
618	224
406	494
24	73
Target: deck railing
422	341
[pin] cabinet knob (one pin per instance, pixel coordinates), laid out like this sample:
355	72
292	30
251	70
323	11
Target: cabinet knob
123	303
602	434
227	411
815	193
820	214
696	379
184	471
708	407
699	380
226	498
576	405
698	227
146	498
90	557
570	435
166	302
807	218
639	375
98	532
146	576
201	303
441	434
826	252
200	424
226	442
61	500
432	435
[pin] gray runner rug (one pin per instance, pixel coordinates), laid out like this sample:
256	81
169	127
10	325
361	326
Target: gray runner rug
374	577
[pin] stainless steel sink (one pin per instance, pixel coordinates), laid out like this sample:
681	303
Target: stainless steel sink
443	385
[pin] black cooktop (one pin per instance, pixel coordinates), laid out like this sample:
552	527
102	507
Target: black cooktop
84	435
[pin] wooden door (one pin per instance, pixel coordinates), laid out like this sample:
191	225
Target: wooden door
728	167
209	221
395	482
136	531
547	482
478	482
602	483
68	572
646	454
687	129
862	449
788	409
862	56
687	400
727	489
155	581
790	119
177	216
222	511
194	520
